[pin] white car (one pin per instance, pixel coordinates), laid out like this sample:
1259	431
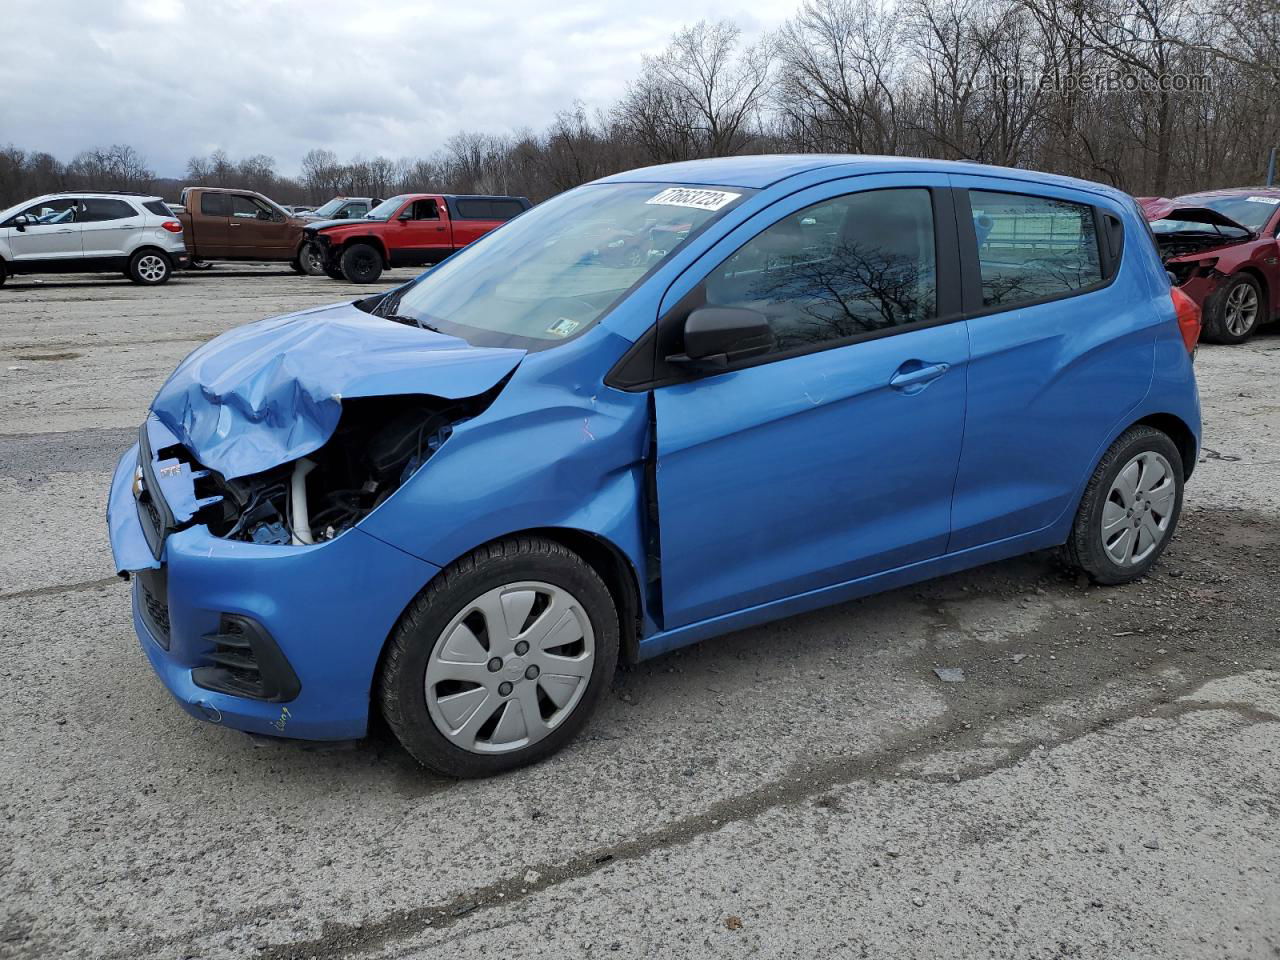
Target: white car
133	234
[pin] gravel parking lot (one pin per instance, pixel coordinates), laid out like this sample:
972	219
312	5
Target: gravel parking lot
1103	783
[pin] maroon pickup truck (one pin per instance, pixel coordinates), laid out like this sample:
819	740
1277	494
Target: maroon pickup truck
411	230
221	223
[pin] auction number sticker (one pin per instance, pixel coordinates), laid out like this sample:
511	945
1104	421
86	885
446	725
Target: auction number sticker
1269	200
690	197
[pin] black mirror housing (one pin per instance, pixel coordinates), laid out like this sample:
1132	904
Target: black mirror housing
714	337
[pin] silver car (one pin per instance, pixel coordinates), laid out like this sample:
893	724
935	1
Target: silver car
133	234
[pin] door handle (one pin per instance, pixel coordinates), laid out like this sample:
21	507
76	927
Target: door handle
66	231
233	225
439	228
914	375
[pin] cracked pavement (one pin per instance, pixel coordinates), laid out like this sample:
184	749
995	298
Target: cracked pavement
1103	783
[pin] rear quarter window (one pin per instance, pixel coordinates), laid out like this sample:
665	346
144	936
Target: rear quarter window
98	209
505	209
1033	248
215	204
474	209
158	208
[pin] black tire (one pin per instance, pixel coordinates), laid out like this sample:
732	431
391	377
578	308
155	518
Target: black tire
361	263
334	274
1219	323
150	267
401	688
1085	549
311	260
4	273
296	266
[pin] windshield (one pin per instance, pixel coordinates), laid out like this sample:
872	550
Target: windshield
330	208
386	208
554	271
1251	211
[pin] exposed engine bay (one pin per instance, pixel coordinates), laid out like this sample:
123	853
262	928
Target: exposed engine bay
378	444
1183	242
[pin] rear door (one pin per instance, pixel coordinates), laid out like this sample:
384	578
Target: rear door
108	225
1062	348
474	218
256	229
210	222
833	457
52	232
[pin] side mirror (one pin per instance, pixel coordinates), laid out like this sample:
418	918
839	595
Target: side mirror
715	337
21	221
407	215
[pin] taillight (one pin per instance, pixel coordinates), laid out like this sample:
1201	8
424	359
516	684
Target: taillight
173	226
1188	314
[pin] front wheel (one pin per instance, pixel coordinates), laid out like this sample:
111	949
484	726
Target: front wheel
149	267
1129	509
1237	313
312	260
361	263
501	659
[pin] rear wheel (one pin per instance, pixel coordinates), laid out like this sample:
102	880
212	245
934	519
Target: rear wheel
361	263
501	660
1237	313
4	273
149	267
1129	509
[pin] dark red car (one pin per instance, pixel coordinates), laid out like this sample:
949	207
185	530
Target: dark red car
411	230
1221	248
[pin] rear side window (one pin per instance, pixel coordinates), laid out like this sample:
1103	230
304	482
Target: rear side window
856	264
215	204
97	210
1033	248
505	209
475	209
158	208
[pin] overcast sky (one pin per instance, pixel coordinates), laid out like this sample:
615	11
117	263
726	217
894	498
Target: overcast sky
393	77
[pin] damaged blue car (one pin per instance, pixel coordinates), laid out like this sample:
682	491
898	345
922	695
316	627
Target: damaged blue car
662	406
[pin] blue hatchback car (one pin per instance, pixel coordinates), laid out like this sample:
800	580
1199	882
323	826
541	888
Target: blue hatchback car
665	405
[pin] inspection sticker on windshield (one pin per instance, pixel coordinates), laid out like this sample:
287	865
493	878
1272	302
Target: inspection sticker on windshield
689	197
1270	200
563	327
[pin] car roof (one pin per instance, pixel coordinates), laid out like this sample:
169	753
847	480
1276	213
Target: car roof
94	194
764	170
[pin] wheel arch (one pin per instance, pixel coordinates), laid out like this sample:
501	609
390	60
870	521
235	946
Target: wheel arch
372	240
603	556
1176	429
143	247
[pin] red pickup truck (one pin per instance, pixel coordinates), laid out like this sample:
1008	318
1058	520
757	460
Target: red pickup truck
414	229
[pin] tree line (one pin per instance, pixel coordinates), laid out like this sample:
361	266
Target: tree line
1153	96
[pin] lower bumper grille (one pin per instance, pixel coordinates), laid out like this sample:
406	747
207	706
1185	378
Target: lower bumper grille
246	662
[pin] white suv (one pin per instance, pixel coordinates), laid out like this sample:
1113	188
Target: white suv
134	234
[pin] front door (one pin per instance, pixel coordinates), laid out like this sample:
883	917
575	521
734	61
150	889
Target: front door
258	230
420	234
833	457
51	233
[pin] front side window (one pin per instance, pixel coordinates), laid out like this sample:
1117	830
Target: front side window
557	269
249	208
61	210
98	209
851	265
424	210
1033	248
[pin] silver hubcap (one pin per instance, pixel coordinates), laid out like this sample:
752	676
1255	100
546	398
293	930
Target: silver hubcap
510	667
1242	309
151	268
1139	508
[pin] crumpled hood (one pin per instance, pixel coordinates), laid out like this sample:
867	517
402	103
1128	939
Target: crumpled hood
1162	208
270	392
315	225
